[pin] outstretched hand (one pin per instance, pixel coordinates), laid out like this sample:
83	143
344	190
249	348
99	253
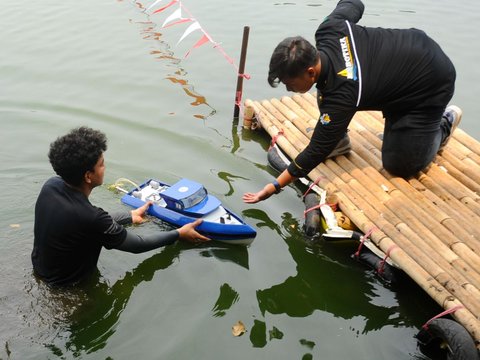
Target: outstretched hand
188	233
138	215
252	198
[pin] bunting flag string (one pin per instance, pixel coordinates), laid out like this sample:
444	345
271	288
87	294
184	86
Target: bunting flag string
176	18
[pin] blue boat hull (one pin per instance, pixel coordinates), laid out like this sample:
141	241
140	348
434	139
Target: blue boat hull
235	232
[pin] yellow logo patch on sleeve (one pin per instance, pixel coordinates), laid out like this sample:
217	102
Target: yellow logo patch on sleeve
325	119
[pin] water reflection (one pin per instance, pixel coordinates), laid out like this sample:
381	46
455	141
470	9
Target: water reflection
162	53
229	179
199	99
227	253
264	219
228	296
85	317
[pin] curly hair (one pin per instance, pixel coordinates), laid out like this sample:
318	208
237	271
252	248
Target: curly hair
77	152
290	58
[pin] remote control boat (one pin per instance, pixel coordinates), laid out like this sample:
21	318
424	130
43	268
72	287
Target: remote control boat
186	201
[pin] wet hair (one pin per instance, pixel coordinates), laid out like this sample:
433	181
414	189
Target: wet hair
77	152
290	58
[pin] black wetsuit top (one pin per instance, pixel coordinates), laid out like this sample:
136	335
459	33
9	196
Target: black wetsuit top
69	233
397	71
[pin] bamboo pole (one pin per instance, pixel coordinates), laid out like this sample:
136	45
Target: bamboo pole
452	185
293	132
372	141
312	110
311	97
241	70
456	172
248	115
292	116
466	140
304	116
373	123
467	166
415	190
274	128
287	129
455	188
277	114
457	233
461	151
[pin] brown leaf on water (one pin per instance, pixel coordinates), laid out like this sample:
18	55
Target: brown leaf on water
238	329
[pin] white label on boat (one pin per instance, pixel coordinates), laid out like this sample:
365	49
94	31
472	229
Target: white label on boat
183	189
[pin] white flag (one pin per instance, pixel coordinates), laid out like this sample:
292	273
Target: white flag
190	29
177	14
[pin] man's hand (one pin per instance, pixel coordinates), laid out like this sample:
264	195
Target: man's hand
252	198
268	190
138	215
188	233
265	193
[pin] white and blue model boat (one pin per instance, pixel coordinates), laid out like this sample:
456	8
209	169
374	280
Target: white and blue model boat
186	201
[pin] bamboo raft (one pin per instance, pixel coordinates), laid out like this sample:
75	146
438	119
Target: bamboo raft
429	225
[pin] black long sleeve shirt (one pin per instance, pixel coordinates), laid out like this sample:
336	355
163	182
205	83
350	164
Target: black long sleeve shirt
69	234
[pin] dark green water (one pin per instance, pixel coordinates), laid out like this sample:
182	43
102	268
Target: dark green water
108	65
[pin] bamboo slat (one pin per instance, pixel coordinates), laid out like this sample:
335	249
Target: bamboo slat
461	173
467	141
310	108
427	224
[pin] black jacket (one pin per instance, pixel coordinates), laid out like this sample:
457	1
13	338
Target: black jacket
396	71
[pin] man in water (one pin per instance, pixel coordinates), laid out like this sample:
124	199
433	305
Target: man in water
403	73
69	231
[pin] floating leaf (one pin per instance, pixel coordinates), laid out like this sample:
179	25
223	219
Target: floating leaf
15	226
238	329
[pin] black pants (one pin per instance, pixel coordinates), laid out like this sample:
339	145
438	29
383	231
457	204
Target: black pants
411	141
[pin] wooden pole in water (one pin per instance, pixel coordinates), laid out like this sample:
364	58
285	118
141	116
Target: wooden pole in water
241	69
